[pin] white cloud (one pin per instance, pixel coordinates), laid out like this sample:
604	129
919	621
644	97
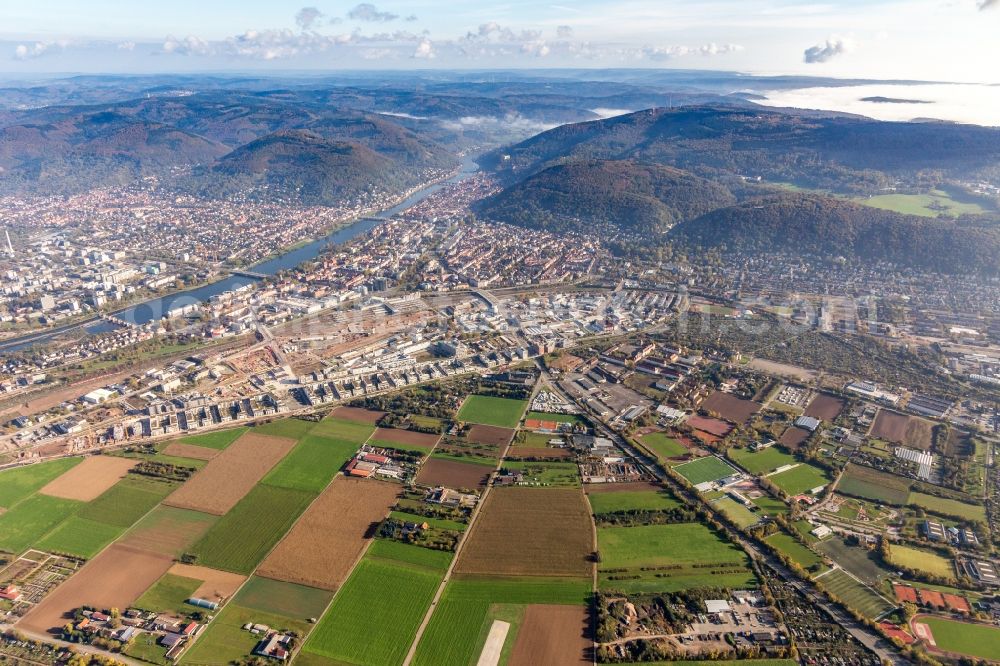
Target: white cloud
37	49
190	45
988	4
564	32
424	50
369	12
833	47
307	17
126	46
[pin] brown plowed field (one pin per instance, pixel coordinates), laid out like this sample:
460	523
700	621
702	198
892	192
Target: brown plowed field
421	440
711	426
215	585
825	407
730	407
231	474
88	480
901	429
793	437
530	532
182	450
357	414
554	636
453	474
113	579
522	452
322	547
487	434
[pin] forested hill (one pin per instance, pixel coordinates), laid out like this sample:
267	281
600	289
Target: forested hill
843	154
830	227
619	196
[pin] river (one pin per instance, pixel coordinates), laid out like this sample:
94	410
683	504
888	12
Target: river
156	308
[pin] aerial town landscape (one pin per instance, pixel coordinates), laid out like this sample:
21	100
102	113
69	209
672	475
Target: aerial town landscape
492	367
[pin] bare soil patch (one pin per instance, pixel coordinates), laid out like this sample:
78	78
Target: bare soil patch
553	635
490	435
182	450
825	407
530	532
901	429
453	474
357	415
215	585
730	407
711	426
231	474
322	547
794	437
113	579
420	440
88	480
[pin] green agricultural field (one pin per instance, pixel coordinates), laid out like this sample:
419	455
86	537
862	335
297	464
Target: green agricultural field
488	410
856	559
461	620
290	428
704	469
631	500
225	641
127	501
538	440
871	484
975	640
551	416
800	479
298	602
736	512
30	520
470	457
312	464
79	537
919	559
17	484
932	204
798	553
439	523
859	597
215	440
346	431
169	530
392	596
554	474
396	551
662	445
168	595
948	507
241	538
761	462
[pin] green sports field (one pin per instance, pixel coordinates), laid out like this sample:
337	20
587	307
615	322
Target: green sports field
242	537
461	620
975	640
763	461
312	464
800	479
736	512
18	483
704	469
631	500
854	594
215	440
391	594
662	445
489	410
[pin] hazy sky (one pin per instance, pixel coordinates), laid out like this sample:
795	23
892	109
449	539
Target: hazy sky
946	40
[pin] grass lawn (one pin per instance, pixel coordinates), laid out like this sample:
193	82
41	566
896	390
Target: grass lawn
761	462
79	537
948	507
662	445
298	602
871	484
225	641
554	474
440	523
771	505
312	464
216	440
798	553
704	469
242	537
976	640
551	416
854	594
488	410
458	628
630	500
32	519
144	647
931	204
168	595
736	512
127	501
392	596
290	428
921	560
16	484
800	479
347	431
